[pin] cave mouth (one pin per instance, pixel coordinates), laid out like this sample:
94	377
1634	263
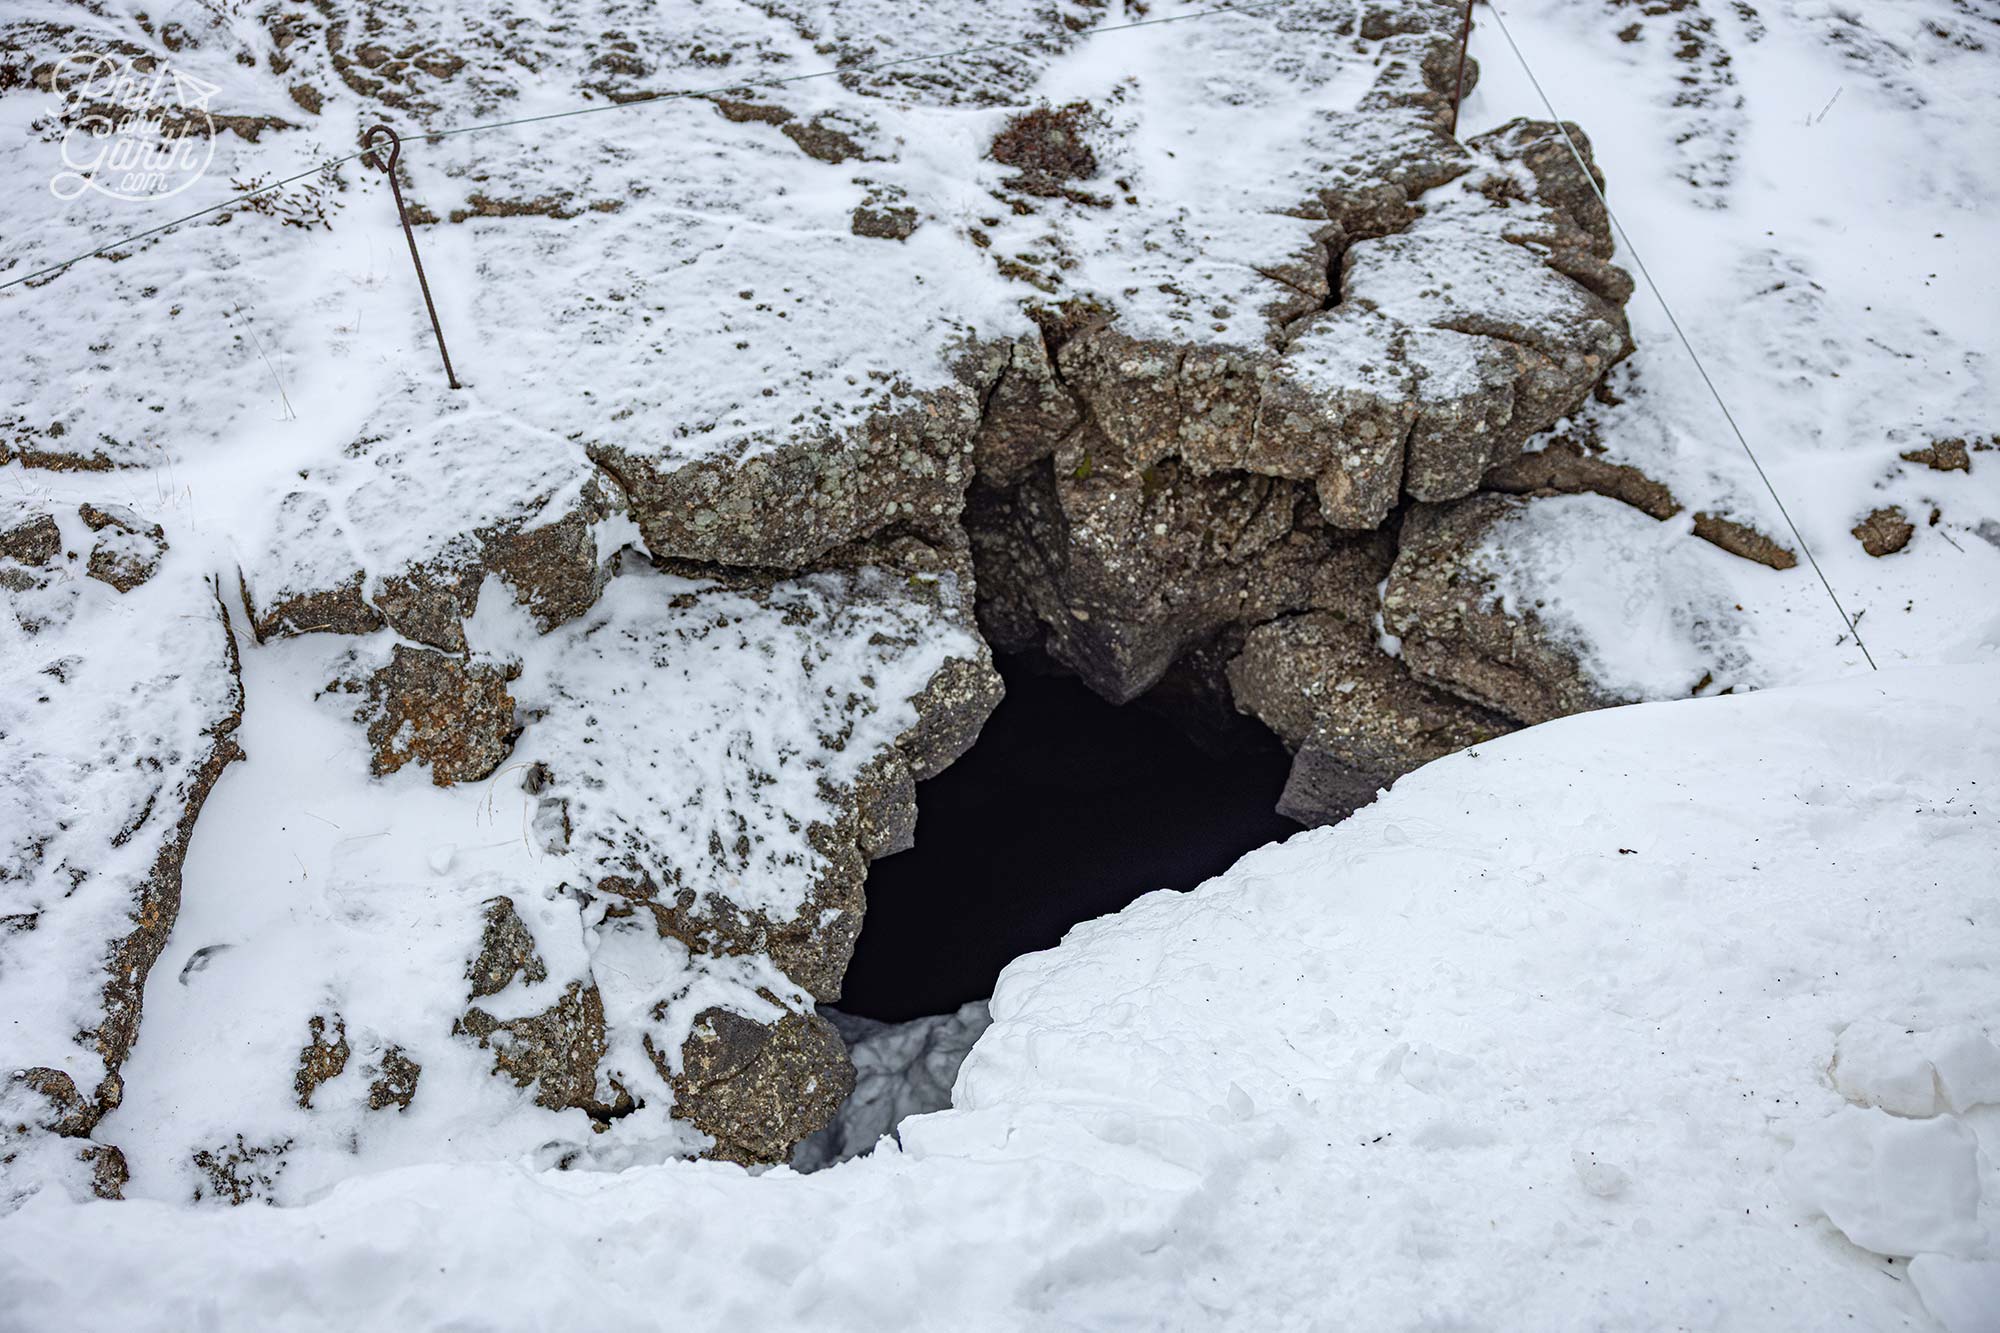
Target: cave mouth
1066	808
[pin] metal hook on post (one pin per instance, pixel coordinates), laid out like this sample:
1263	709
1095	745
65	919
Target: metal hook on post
369	140
1464	41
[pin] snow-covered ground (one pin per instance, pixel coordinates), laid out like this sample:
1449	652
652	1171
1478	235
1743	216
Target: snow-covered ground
1669	1016
1813	187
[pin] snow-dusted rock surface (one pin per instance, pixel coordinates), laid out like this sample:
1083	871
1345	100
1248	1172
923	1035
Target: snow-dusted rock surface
1808	184
679	831
1590	1026
118	700
757	326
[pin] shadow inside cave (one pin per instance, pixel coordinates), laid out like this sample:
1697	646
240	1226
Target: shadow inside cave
1067	808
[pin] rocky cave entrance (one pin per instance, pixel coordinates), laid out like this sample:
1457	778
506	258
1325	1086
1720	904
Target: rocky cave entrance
1067	808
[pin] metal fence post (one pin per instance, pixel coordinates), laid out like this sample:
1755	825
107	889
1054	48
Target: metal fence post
388	168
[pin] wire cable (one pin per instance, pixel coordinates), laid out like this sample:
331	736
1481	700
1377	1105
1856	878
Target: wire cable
1702	370
645	100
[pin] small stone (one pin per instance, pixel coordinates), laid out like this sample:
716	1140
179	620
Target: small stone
506	950
759	1088
885	224
1884	532
1942	456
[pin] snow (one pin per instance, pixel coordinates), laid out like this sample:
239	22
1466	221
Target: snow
1541	1039
103	752
1643	607
1811	185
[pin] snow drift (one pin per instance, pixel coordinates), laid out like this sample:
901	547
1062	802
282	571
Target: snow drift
1669	1015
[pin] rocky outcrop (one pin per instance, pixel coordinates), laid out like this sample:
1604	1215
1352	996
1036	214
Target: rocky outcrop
1140	498
906	464
737	470
544	548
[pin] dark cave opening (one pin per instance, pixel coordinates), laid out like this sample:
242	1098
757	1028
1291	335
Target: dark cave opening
1067	808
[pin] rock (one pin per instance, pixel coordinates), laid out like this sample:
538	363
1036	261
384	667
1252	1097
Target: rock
884	215
67	1112
395	1082
685	797
1352	715
1740	539
30	537
1027	412
1565	467
108	1172
1117	570
906	465
127	551
506	951
453	716
823	138
306	582
1176	503
556	1051
323	1057
1942	456
1441	603
1885	531
1196	399
885	224
759	1088
122	704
